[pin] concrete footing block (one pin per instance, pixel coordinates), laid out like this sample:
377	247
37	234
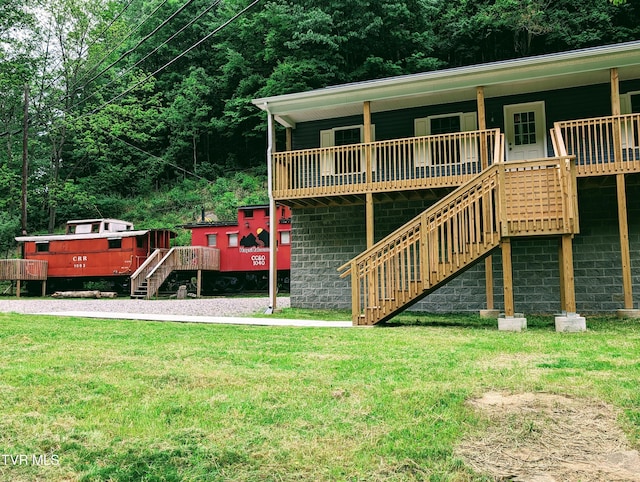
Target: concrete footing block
512	323
570	323
628	313
489	314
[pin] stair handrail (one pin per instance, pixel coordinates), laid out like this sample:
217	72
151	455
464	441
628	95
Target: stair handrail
181	258
140	274
499	159
429	212
166	265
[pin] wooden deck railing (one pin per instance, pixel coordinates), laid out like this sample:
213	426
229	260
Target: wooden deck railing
459	230
601	146
392	165
23	269
182	258
538	197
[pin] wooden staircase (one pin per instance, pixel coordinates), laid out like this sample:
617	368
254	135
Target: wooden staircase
522	198
147	279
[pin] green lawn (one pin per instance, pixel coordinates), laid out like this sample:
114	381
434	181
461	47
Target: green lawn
130	400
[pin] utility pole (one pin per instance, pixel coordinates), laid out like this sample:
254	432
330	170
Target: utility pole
25	158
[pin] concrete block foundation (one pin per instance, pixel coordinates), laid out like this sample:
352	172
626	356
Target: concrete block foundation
512	323
628	313
570	323
489	314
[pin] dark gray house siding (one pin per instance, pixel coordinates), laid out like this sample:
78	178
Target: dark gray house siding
562	104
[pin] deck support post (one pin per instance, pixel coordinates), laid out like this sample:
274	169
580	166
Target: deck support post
369	220
289	137
18	288
615	92
44	287
490	311
507	274
199	283
366	114
623	227
569	320
509	321
567	280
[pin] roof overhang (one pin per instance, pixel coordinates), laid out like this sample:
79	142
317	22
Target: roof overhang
519	76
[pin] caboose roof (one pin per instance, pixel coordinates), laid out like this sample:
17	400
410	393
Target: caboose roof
209	224
67	237
510	77
98	220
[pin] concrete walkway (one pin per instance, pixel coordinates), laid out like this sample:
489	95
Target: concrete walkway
221	320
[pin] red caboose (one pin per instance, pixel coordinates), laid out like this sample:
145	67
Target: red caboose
94	250
244	248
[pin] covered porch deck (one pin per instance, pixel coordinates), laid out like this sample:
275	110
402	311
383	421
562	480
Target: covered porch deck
334	175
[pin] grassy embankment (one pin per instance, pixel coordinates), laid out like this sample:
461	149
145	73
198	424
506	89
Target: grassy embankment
123	400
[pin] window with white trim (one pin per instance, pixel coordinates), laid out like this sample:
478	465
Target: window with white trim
233	240
630	104
285	237
212	240
347	161
435	151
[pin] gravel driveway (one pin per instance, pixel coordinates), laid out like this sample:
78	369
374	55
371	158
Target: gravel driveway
190	307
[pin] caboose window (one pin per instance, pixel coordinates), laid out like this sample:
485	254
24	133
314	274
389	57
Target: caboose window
248	213
42	247
115	243
233	240
285	237
212	239
95	228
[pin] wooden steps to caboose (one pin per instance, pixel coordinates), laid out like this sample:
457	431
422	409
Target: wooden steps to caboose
146	281
141	292
515	199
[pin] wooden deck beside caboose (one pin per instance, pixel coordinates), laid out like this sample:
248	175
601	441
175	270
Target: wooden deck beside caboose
20	270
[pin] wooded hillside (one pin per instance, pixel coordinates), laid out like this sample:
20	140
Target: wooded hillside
141	109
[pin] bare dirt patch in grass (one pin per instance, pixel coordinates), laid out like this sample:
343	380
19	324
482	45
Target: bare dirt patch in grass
540	437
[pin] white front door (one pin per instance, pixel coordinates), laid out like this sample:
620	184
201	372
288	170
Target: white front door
525	131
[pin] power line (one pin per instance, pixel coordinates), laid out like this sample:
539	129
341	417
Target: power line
179	56
186	171
83	51
190	23
135	29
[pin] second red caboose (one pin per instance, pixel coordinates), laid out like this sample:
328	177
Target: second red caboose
244	249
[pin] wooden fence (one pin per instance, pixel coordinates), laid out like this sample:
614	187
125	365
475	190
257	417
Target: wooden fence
23	269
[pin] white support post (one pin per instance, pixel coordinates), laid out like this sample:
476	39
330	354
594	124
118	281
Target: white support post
273	226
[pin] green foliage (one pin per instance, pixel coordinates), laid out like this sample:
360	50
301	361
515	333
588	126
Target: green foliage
71	201
9	229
